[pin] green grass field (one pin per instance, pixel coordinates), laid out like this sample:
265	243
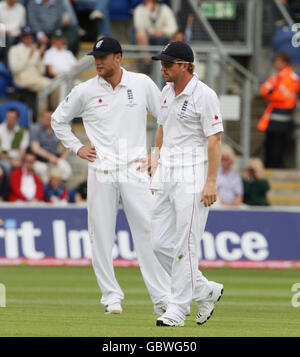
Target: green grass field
64	301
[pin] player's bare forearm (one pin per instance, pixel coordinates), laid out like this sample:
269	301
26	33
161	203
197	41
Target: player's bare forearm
87	153
155	151
159	137
209	194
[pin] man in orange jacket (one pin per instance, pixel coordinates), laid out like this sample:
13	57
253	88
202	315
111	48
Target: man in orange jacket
281	90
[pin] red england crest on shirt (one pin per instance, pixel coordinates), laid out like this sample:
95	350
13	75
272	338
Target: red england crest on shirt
100	100
216	117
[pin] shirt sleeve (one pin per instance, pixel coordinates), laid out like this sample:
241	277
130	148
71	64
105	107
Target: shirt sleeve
153	98
70	108
238	186
46	58
169	20
34	133
211	117
160	120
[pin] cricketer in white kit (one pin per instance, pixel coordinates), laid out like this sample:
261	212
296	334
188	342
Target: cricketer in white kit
113	106
184	182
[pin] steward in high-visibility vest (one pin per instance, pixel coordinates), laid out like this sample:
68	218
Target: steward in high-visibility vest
281	90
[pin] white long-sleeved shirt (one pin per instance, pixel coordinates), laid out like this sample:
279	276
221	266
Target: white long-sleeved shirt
14	18
20	61
61	60
161	18
114	119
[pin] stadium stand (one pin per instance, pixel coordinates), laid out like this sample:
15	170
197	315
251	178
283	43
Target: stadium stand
231	31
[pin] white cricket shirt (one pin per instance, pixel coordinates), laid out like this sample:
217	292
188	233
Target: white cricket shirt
188	120
114	119
61	60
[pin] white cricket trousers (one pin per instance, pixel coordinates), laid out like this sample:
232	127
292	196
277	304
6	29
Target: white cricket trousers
178	222
104	193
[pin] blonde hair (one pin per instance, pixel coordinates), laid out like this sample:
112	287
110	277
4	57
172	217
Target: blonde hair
228	150
191	68
55	173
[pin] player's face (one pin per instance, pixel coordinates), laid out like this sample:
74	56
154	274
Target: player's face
171	71
106	66
29	160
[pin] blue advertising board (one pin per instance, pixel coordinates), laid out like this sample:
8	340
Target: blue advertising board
255	235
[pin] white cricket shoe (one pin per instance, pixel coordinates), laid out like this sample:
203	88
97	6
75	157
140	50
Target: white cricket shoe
113	309
206	307
168	319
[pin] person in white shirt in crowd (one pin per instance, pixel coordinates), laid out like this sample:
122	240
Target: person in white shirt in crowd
113	106
14	141
188	145
229	182
13	17
154	24
58	59
26	62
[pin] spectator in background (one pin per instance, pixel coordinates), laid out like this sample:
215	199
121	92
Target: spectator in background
154	24
46	16
25	62
70	26
13	17
55	190
81	192
99	13
4	185
57	58
229	183
255	185
44	145
280	90
14	141
25	184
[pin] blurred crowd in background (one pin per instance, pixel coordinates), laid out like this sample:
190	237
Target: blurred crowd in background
42	41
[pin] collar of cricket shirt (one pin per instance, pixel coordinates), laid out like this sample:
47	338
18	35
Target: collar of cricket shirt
190	87
124	79
123	82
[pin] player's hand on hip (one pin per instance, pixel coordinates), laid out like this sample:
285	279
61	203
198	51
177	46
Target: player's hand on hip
87	153
209	194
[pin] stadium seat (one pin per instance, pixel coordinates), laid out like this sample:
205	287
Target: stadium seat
5	80
120	9
23	109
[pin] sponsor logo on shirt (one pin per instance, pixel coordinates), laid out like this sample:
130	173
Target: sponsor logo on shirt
164	106
216	117
101	104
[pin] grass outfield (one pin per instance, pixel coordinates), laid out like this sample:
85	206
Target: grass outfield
64	301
